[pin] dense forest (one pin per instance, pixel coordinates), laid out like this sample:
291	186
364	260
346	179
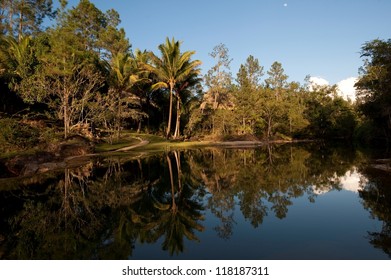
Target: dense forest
81	76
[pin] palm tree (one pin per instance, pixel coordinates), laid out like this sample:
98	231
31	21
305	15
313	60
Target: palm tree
14	57
183	94
143	88
171	68
124	77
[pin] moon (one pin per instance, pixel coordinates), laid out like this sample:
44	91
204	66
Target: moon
285	4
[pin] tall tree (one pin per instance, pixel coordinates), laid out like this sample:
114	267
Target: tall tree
295	105
250	73
247	95
272	111
86	22
374	84
24	17
68	75
184	93
218	97
96	31
219	78
329	116
171	68
277	79
124	75
112	40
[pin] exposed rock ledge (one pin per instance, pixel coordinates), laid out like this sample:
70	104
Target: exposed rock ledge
382	164
43	161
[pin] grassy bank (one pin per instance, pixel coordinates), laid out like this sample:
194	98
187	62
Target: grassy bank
154	143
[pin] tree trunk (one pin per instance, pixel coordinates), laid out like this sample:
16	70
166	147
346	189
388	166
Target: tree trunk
178	118
66	113
20	26
139	126
179	169
169	112
269	127
213	125
118	119
173	205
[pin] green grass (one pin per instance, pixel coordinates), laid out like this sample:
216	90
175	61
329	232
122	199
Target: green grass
107	147
156	143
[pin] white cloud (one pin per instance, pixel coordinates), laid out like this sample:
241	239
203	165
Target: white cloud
351	181
346	88
317	82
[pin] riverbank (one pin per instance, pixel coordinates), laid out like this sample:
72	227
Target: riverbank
78	150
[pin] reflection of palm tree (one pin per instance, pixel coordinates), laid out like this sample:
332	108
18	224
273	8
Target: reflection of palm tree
173	205
178	212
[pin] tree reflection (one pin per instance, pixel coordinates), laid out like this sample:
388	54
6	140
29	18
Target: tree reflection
81	215
107	207
179	210
59	223
376	195
264	180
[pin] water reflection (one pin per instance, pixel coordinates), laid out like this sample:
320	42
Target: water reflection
174	204
376	195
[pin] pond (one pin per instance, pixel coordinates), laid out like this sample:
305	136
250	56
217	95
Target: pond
298	201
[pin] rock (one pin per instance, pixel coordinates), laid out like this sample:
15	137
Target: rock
4	171
48	166
44	161
71	150
29	169
28	164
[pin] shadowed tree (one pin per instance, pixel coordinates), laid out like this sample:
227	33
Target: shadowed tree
374	85
183	94
124	75
16	59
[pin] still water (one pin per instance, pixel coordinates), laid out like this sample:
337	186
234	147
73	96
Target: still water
273	202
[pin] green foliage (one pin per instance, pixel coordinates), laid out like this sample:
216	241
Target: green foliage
17	60
13	134
277	79
374	85
218	80
247	96
83	72
329	115
175	71
24	17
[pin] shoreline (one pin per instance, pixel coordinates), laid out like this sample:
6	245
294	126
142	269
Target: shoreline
31	165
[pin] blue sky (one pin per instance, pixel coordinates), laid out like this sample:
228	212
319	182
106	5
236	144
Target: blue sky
321	38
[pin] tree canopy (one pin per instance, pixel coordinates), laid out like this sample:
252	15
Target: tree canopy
374	84
82	71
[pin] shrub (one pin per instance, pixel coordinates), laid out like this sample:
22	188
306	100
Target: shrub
15	135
